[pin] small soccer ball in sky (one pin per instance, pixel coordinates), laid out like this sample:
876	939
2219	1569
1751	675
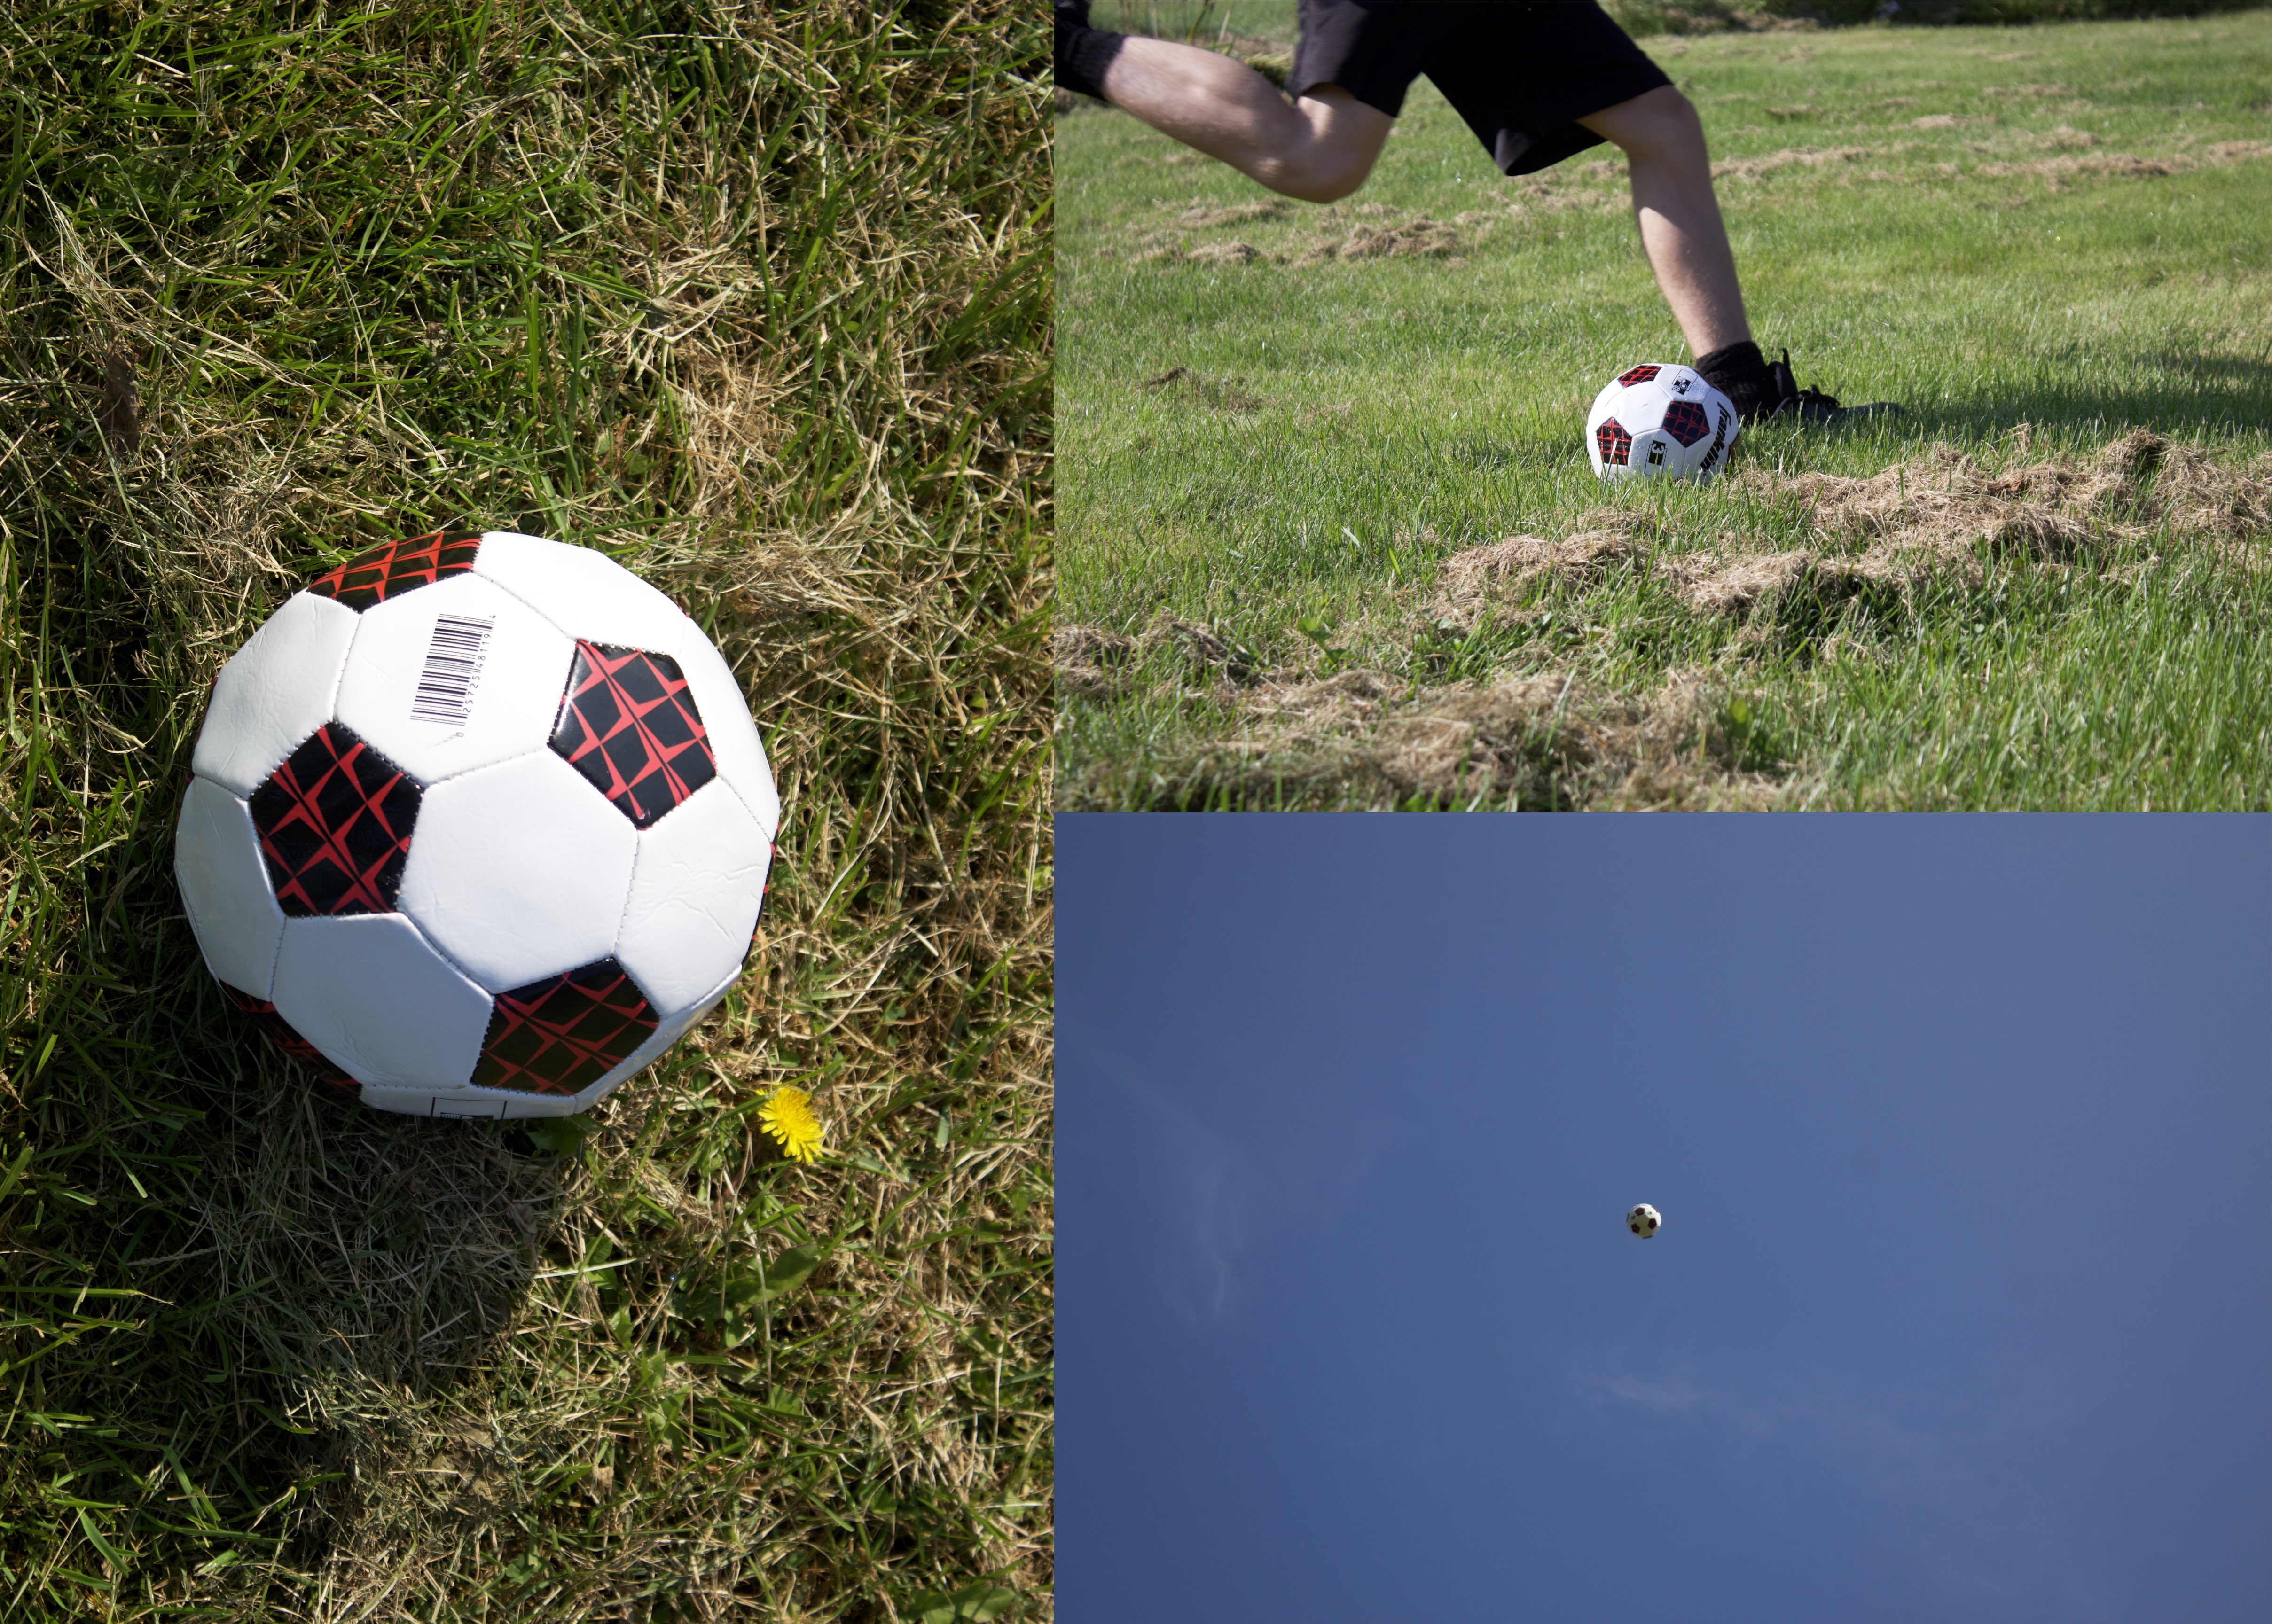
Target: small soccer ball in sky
479	826
1643	1220
1660	421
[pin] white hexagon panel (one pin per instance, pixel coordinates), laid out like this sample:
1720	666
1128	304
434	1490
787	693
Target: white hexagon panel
518	870
225	888
584	593
694	897
480	826
274	692
374	996
455	677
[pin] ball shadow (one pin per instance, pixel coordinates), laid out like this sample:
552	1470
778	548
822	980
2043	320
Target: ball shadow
320	1275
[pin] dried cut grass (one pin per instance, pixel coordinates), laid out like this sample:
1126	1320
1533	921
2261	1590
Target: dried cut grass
1557	738
1223	254
1941	517
1473	582
1157	244
1488	584
2127	166
1711	588
1185	384
1808	158
1089	660
1362	736
1418	237
1545	196
1948	505
2073	160
1200	218
1544	740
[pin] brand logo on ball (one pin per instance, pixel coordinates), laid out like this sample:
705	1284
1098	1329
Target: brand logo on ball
1719	440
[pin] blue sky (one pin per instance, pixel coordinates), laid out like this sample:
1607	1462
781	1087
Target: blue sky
1961	1127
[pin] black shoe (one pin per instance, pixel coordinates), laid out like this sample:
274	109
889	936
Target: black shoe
1812	406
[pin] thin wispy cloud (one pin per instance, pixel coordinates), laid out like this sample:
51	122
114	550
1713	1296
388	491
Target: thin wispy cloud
1224	1195
1927	1485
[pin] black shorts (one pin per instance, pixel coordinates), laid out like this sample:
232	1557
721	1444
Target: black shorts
1520	75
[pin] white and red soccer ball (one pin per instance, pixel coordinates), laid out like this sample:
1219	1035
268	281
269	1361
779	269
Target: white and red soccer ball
1660	421
479	826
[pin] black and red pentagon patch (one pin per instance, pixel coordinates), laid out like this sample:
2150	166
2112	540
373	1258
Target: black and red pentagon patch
394	568
1615	444
1686	421
563	1033
1638	374
334	823
629	725
280	1033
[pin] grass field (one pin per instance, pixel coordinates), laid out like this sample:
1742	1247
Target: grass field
757	300
1330	538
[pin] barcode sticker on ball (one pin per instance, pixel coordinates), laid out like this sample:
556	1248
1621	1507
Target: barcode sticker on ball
453	663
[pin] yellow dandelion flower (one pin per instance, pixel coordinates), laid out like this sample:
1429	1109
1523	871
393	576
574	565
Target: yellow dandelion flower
787	1116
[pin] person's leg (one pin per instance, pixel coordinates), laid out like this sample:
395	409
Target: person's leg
1679	218
1318	149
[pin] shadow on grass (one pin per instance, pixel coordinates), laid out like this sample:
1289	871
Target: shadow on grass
235	1291
2234	397
2098	417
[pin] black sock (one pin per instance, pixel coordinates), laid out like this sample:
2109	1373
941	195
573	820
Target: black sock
1740	372
1083	53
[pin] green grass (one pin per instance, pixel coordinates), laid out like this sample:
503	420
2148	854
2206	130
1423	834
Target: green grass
757	301
2060	225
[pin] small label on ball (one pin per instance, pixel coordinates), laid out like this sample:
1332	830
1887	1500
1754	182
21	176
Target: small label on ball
454	664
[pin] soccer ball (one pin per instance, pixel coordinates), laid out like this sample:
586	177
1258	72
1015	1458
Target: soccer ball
479	826
1643	1220
1660	422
